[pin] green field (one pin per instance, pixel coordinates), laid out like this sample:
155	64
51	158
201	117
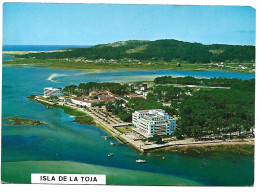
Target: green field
124	129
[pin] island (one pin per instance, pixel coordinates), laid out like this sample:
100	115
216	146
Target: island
22	121
140	54
184	114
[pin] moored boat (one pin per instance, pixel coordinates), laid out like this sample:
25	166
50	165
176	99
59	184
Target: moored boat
140	161
110	154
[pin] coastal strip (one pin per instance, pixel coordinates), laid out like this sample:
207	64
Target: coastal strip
183	146
90	118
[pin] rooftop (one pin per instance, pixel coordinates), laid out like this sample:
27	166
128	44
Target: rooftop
87	99
146	111
51	88
107	99
133	96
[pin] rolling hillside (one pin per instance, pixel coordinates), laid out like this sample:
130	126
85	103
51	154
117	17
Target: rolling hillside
166	50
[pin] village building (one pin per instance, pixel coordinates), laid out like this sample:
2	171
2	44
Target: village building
154	121
106	96
132	86
64	98
143	87
139	92
132	95
145	93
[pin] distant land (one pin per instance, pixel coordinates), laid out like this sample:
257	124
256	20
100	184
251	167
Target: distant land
158	54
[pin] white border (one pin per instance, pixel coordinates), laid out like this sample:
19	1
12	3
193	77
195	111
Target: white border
9	188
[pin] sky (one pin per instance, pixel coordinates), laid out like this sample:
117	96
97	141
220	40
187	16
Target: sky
91	24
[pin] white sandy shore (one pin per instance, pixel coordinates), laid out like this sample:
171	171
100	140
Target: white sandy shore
52	76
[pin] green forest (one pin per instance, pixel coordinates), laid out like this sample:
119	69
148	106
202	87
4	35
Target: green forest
165	50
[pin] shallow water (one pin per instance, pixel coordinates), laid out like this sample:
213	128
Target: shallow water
62	140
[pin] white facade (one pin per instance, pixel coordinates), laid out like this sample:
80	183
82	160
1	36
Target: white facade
52	92
154	122
87	101
64	99
143	87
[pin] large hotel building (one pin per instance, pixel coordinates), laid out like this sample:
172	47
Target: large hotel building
154	122
50	91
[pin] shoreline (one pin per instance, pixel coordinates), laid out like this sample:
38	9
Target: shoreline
93	67
238	146
119	69
182	146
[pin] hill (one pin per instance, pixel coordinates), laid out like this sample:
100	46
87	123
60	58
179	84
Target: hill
166	50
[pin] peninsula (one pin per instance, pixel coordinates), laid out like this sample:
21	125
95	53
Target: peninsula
167	113
138	54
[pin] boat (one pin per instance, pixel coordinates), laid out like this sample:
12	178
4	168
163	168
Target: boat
111	143
163	158
140	161
110	154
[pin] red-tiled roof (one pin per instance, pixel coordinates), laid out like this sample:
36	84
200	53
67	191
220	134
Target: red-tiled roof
133	96
86	99
107	99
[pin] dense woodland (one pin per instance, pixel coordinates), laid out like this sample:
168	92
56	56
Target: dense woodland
200	112
166	50
216	112
220	82
85	88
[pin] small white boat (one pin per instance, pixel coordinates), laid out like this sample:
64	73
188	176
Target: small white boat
110	154
140	161
163	158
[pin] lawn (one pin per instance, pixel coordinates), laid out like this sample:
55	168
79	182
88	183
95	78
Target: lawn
124	129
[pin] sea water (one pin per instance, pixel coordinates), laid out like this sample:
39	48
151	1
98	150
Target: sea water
62	140
27	149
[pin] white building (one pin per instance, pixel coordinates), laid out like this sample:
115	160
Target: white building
132	87
143	87
154	122
85	101
52	92
64	99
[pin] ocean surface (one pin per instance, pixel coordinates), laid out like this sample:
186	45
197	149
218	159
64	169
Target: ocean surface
36	48
40	47
59	139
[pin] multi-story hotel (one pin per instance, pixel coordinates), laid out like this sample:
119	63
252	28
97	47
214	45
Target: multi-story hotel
52	92
154	122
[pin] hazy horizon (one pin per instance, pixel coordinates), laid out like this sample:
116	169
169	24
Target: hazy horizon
117	41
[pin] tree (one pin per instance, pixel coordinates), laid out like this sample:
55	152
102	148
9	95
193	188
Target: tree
156	138
178	134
